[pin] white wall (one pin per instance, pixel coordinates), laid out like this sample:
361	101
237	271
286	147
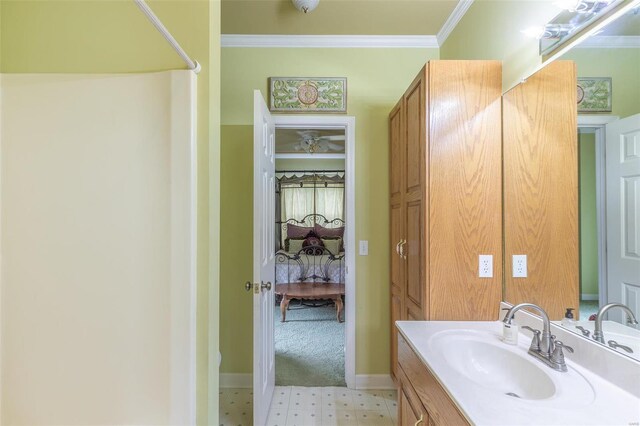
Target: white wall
96	186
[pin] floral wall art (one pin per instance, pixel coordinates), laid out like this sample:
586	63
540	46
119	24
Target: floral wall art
308	94
594	94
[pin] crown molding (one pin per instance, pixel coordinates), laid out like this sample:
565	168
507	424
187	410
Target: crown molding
610	42
330	41
453	20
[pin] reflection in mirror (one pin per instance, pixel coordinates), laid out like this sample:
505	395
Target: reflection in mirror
577	14
609	181
609	185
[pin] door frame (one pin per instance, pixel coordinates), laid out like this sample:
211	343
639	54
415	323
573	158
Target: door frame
599	122
348	123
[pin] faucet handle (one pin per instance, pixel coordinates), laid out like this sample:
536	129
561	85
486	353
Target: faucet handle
584	331
615	345
561	345
535	342
557	357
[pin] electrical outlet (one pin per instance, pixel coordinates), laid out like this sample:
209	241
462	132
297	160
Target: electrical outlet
485	266
519	266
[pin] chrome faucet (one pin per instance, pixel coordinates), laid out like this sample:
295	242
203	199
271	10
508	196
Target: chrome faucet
597	332
543	347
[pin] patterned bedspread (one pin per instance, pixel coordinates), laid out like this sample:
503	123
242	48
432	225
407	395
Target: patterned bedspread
309	268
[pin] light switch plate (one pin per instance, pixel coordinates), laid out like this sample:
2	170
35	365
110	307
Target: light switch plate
364	248
485	266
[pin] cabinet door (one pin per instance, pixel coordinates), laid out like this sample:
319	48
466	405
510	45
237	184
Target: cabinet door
396	216
415	196
408	416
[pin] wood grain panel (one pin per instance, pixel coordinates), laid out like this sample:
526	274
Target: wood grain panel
415	136
541	188
415	197
410	408
439	405
465	200
413	313
397	224
414	255
396	312
407	416
396	150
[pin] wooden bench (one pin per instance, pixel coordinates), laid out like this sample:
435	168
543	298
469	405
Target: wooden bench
310	291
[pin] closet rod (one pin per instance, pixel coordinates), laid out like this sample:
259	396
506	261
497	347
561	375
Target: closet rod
144	7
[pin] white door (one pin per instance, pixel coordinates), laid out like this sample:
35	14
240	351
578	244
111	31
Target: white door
263	258
623	214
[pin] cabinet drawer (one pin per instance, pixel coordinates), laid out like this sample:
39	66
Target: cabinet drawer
442	410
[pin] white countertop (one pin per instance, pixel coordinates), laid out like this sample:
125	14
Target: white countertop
607	405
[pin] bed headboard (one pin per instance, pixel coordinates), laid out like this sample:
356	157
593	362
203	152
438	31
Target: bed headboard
309	221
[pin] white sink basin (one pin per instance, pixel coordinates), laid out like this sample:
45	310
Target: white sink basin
493	367
477	359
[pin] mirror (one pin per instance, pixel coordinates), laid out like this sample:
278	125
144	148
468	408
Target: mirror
608	70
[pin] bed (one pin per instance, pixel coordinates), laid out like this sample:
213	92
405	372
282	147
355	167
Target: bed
310	262
310	250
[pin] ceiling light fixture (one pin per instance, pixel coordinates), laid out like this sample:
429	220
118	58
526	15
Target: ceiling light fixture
583	6
314	145
305	5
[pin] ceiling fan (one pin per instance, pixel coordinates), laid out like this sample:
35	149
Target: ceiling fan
312	142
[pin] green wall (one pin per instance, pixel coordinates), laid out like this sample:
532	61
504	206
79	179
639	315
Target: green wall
588	220
622	65
492	30
78	36
376	80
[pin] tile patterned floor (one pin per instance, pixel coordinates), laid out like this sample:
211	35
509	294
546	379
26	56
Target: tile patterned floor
310	406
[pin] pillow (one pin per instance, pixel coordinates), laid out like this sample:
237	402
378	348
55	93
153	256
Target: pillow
328	232
295	231
293	245
332	244
312	244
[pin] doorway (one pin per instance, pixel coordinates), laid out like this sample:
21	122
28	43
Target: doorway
317	152
593	227
591	200
310	257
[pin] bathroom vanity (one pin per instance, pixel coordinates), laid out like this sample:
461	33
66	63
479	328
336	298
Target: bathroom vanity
454	373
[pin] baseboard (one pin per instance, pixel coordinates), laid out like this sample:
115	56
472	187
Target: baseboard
374	381
235	380
587	296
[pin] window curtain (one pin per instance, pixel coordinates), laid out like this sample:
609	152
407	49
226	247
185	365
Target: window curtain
298	202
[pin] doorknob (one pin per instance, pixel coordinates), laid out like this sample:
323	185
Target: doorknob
248	285
398	247
266	286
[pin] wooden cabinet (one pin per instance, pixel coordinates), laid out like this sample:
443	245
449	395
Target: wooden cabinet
422	401
445	194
